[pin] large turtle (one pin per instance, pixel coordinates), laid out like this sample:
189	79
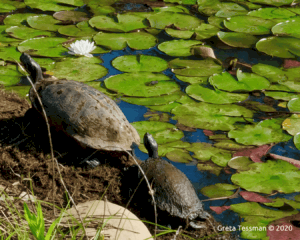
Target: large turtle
80	111
173	192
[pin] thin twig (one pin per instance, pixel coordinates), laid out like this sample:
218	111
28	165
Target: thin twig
52	152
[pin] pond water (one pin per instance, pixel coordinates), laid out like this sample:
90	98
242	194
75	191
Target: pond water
229	108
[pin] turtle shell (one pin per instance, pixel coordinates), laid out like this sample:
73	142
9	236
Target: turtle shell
89	116
173	191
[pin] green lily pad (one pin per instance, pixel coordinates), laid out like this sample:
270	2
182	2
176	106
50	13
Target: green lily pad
242	40
81	29
161	131
184	34
269	176
282	47
210	116
240	163
229	13
212	7
246	82
74	16
22	91
80	69
179	155
297	140
279	202
209	167
46	47
264	132
54	5
154	101
9	75
5	38
156	116
46	63
289	28
271	13
164	108
294	105
218	190
276	3
214	96
139	63
195	68
178	48
193	80
17	19
249	24
23	32
292	124
44	22
122	23
171	8
216	21
273	74
206	31
205	152
101	87
5	7
286	96
181	21
230	145
257	106
141	84
256	218
118	41
9	54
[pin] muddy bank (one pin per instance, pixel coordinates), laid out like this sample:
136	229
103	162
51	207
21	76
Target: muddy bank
25	163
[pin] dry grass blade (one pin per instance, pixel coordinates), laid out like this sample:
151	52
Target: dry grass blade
52	152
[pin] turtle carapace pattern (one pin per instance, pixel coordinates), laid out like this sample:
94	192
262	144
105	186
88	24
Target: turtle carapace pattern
80	111
173	191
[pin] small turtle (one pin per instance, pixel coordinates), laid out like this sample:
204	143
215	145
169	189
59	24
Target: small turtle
80	111
173	192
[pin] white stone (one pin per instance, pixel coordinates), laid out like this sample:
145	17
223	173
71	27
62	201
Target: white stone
119	222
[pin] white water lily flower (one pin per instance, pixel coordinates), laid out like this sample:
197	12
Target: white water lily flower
82	47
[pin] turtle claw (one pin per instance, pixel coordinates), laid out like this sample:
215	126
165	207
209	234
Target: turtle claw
197	224
90	164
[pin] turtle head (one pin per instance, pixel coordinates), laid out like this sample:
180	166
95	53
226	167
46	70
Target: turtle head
151	145
32	67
